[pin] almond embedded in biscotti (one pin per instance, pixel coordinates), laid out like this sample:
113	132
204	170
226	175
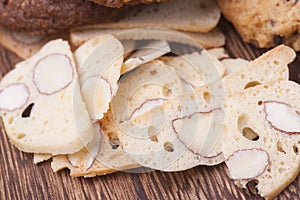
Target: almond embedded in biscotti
247	164
85	158
97	94
14	96
282	117
198	132
147	106
53	73
146	54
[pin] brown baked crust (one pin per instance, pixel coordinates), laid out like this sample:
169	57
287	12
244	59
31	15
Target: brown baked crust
120	3
51	16
265	23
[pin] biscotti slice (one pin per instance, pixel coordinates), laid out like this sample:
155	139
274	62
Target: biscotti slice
213	38
41	157
196	69
99	63
262	134
109	159
145	87
192	15
23	44
145	54
270	66
201	106
41	104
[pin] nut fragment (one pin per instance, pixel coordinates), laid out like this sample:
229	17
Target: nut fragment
247	164
53	73
146	54
199	133
147	106
282	117
14	96
85	158
97	94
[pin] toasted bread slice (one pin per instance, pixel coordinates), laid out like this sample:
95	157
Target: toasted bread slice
211	39
23	44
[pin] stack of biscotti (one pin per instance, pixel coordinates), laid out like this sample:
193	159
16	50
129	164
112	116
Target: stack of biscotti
196	19
101	109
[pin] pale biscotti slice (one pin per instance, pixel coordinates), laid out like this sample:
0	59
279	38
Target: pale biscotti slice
197	69
210	97
270	66
41	157
174	136
41	105
262	134
23	44
146	123
146	53
99	64
145	87
213	38
192	15
110	156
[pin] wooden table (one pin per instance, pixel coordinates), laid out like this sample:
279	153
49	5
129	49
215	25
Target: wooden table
21	179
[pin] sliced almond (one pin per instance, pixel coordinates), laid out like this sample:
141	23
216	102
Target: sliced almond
146	54
14	96
86	157
97	94
147	106
247	163
282	117
199	132
53	73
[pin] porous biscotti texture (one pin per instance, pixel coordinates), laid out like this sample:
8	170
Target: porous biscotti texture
246	128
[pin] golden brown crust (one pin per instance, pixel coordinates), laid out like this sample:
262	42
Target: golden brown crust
264	23
51	16
120	3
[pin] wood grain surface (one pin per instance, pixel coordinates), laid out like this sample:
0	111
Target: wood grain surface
21	179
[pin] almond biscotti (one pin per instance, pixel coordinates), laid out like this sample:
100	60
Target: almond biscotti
40	109
262	134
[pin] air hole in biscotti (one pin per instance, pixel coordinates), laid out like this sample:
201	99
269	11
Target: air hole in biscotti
260	103
113	140
246	131
252	186
207	97
250	134
251	84
26	113
166	91
280	148
296	150
168	146
152	134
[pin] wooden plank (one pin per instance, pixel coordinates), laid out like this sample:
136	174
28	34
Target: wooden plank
21	179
